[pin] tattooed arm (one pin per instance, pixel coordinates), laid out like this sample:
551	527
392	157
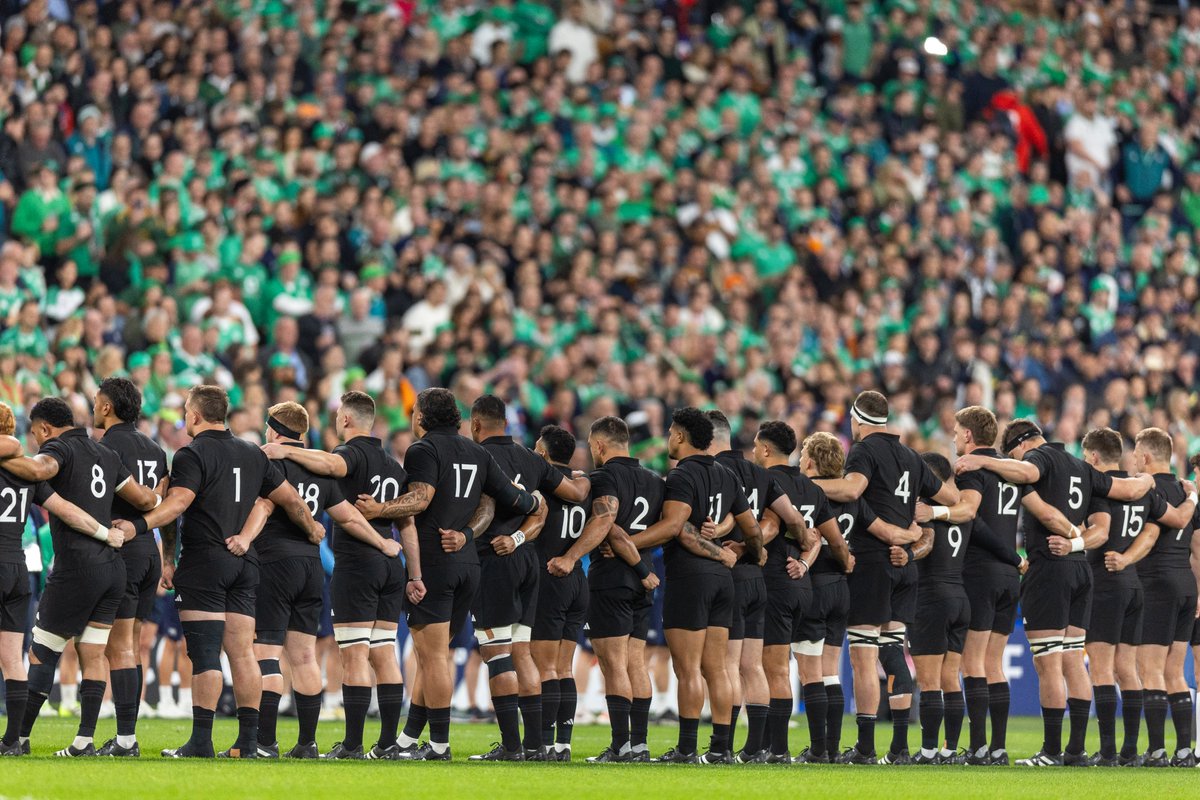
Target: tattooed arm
604	513
691	540
413	502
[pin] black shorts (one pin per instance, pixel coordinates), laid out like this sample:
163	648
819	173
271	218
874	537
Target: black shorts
449	591
749	609
562	607
1168	616
367	589
879	594
788	603
143	572
289	599
619	611
508	590
993	597
224	586
74	597
696	602
1057	594
831	606
1116	615
14	597
943	614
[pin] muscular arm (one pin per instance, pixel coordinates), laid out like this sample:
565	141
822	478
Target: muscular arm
674	515
891	534
752	535
623	546
1097	530
177	501
1141	547
924	545
143	498
10	446
604	513
413	502
789	516
574	490
963	511
412	550
691	540
285	497
1054	520
947	495
832	534
1133	488
257	519
1008	469
317	461
769	525
535	522
351	520
1179	516
485	512
31	468
72	514
844	490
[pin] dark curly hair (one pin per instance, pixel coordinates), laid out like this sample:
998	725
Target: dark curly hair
560	444
125	397
438	409
939	464
54	411
696	424
489	408
779	435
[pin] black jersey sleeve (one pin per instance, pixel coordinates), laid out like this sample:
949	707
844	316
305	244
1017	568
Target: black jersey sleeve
56	449
1156	505
186	470
1101	482
122	472
970	481
1042	462
421	463
602	485
984	537
866	515
823	512
679	488
42	492
350	455
927	483
550	479
273	477
774	491
859	461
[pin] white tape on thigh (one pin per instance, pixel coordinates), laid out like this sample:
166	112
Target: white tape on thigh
383	637
494	636
862	637
92	635
521	633
810	648
1073	643
1046	646
895	636
348	637
49	640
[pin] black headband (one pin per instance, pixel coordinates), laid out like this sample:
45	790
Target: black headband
283	430
1029	434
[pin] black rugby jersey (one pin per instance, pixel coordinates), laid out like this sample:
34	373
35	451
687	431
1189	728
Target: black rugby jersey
564	524
147	463
526	469
280	537
639	496
762	490
944	563
1066	483
369	470
999	513
89	475
896	477
1169	562
710	491
808	499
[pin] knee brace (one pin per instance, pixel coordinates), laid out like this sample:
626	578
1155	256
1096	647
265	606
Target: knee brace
494	636
862	637
95	635
521	633
383	637
47	646
811	648
269	667
348	637
1072	643
891	658
1046	646
498	665
203	637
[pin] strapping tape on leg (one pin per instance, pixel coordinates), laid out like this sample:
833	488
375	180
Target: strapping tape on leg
521	634
1072	643
832	680
383	637
810	648
494	636
269	667
892	637
1046	646
498	665
862	637
50	641
203	639
348	637
94	635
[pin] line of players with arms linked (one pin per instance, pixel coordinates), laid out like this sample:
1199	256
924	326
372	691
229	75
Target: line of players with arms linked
764	560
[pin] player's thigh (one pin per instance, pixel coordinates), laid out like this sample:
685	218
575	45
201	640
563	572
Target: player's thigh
904	597
67	603
354	591
15	596
870	587
687	648
716	650
1046	598
785	607
1081	597
554	599
959	617
1163	612
927	636
612	612
305	616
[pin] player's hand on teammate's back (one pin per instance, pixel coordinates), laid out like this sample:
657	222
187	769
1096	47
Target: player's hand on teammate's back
452	541
391	548
415	591
650	582
316	532
369	506
898	556
116	538
967	463
728	557
560	566
923	513
1115	562
504	545
237	545
850	566
1058	545
795	568
275	451
738	548
709	529
1023	567
606	550
168	575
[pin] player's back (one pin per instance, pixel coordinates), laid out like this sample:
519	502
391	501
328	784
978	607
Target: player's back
1066	483
17	497
944	563
370	471
712	492
564	523
147	464
89	476
639	494
761	490
526	469
1170	558
807	498
1127	519
896	476
281	538
999	510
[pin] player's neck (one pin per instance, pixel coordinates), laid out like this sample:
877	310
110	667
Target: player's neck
353	433
615	455
1101	467
975	448
687	451
206	427
1156	468
491	433
107	423
719	447
867	430
775	462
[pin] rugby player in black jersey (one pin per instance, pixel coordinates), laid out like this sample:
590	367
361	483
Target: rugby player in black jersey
116	410
454	488
25	692
747	676
1056	592
1117	602
626	497
214	483
509	576
85	588
698	607
991	577
562	600
291	587
939	632
890	477
369	586
1163	555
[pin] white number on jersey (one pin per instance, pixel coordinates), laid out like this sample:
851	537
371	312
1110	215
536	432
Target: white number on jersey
470	469
148	473
902	490
714	507
1075	492
10	495
385	489
954	537
572	524
310	493
753	499
237	484
639	524
1008	496
807	513
846	521
98	484
1134	522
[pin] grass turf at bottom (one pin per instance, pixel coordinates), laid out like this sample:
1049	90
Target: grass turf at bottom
42	776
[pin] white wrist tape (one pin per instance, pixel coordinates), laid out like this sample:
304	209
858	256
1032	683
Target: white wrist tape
1075	532
1077	545
518	538
941	512
100	533
1195	500
157	500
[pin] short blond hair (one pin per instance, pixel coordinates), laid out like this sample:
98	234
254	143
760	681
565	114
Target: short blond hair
826	453
981	423
1156	442
291	414
8	422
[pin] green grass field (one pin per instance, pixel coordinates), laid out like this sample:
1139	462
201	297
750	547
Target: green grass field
42	776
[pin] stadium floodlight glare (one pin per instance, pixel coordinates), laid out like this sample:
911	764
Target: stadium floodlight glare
935	46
